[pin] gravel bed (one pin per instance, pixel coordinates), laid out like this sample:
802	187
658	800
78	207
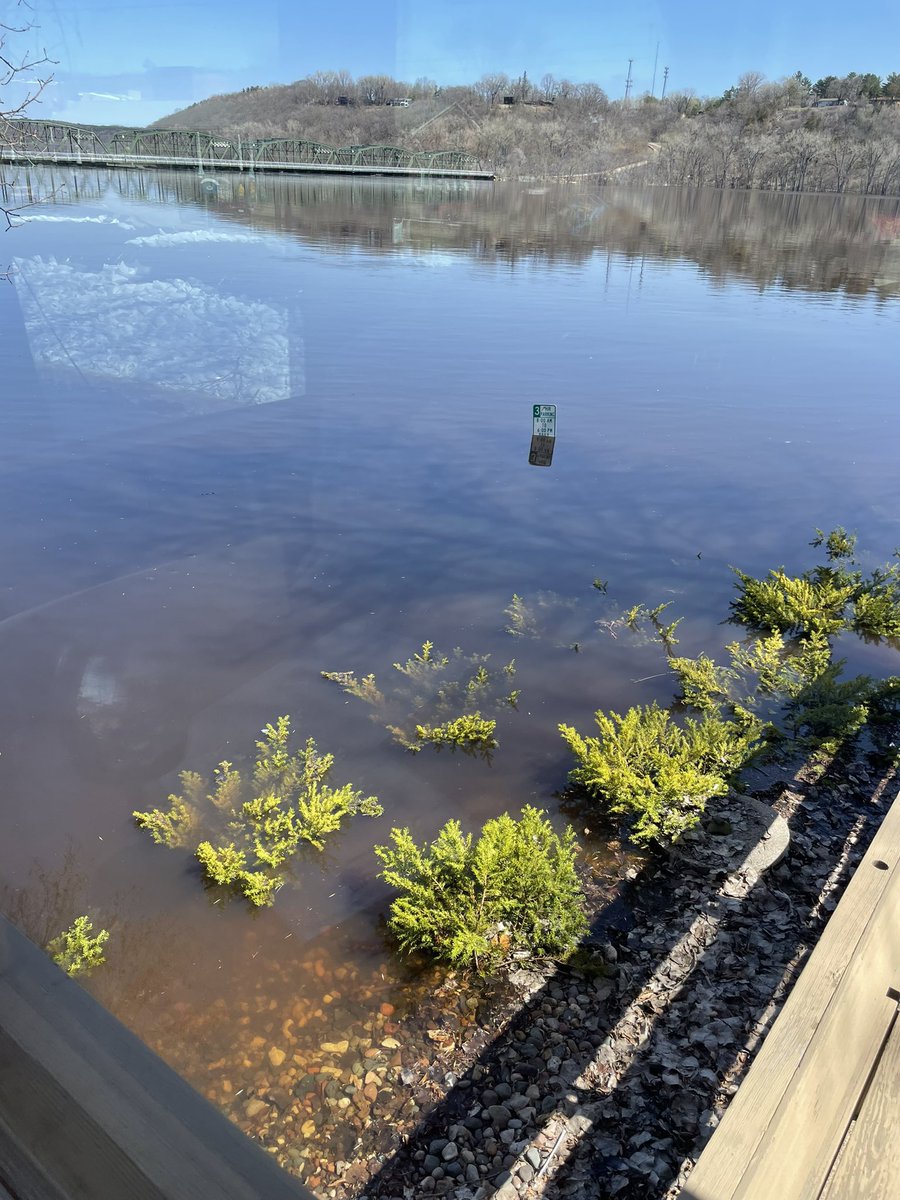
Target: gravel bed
608	1081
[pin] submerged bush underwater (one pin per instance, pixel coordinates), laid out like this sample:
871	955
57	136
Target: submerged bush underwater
290	804
784	681
78	950
448	689
513	890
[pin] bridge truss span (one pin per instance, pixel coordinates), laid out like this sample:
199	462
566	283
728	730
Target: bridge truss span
60	142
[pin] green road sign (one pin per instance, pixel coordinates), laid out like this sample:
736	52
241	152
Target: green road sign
544	420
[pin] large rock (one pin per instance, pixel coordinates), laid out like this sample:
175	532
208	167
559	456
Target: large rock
500	1116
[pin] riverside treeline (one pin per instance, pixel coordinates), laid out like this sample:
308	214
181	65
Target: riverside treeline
840	134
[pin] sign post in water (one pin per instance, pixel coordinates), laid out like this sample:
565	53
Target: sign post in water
543	435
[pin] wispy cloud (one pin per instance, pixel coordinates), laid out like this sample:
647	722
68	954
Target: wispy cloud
104	96
187	236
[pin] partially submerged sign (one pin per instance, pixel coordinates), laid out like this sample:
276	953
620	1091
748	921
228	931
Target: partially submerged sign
543	436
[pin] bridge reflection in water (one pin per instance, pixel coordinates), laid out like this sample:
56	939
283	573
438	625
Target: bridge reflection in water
60	142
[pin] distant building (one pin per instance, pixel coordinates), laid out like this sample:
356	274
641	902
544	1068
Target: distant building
829	102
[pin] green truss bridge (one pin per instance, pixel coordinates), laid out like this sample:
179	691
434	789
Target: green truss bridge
24	141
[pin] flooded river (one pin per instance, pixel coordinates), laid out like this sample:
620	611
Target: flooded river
255	430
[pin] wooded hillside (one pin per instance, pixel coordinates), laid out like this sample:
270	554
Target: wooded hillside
779	135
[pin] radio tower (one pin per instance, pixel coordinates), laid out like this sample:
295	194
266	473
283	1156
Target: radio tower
628	80
655	61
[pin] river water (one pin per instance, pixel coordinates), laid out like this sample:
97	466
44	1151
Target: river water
281	426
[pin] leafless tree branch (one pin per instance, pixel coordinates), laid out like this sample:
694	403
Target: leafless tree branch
25	74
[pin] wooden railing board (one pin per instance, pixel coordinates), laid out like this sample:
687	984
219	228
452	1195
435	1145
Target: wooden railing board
869	1164
66	1147
727	1158
85	1102
805	1132
31	1182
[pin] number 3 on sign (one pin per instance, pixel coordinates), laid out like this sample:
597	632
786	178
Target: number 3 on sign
544	420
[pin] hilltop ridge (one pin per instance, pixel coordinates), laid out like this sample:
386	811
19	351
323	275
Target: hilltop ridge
837	135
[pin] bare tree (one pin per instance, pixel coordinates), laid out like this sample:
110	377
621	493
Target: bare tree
684	102
890	173
752	152
723	146
750	82
841	156
549	87
424	88
795	156
490	86
850	87
873	152
22	77
327	86
375	89
591	98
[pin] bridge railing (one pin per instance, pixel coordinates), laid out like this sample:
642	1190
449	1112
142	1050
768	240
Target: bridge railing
24	138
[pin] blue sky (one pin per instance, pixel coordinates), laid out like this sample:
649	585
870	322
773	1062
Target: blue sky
131	61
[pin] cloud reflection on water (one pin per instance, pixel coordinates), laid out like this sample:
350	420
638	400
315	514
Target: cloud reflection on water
214	350
188	236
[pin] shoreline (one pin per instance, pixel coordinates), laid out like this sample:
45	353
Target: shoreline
557	1080
617	1081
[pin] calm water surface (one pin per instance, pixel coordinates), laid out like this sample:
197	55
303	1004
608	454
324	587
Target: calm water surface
284	428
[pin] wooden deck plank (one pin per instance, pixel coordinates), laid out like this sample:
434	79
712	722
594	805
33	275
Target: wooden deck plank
796	1153
17	1164
869	1167
725	1160
72	1078
51	1146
